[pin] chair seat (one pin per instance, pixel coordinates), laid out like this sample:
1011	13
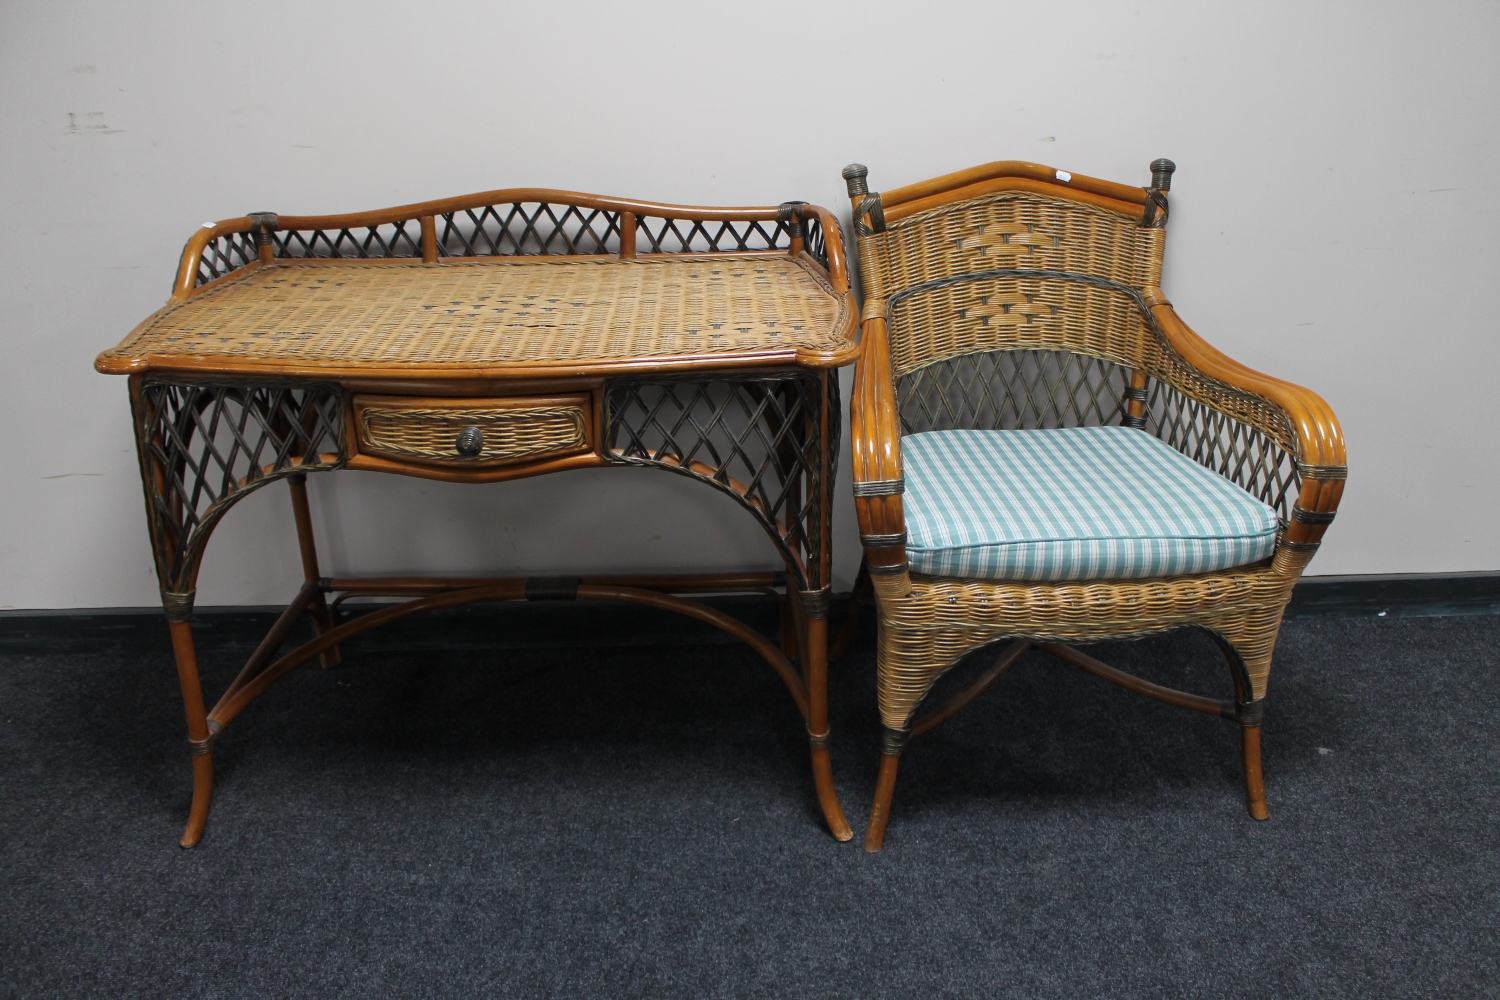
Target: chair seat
1078	503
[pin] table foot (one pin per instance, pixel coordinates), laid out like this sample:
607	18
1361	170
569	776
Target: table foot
828	796
203	794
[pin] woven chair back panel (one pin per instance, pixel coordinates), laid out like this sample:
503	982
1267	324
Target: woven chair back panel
1010	390
1011	230
1028	389
934	324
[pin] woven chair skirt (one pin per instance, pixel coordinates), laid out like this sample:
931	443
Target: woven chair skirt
928	631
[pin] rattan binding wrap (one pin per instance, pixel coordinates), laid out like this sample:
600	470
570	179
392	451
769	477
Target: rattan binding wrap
510	434
499	311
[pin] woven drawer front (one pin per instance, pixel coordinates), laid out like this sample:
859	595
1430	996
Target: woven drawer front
512	430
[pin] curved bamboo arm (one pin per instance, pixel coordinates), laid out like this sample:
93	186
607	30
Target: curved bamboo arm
1319	439
192	253
833	245
875	447
838	278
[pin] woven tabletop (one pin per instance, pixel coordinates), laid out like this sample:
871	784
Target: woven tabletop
407	315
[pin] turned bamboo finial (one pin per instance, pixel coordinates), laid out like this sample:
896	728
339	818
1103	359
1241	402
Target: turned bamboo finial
865	203
1155	214
854	176
1161	174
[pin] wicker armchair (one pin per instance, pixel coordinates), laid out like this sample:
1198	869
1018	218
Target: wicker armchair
1022	363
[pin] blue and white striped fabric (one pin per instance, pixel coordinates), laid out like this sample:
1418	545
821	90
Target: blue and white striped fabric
1079	503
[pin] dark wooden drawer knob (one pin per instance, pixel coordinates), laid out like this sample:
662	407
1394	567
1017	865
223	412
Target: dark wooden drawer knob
470	442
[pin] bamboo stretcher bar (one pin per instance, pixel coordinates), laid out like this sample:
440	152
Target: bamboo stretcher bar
679	583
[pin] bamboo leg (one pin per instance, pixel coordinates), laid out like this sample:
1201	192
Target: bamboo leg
198	731
885	789
1255	789
815	673
1249	713
322	619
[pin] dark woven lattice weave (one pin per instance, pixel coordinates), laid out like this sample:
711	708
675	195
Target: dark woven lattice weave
517	229
1240	452
224	254
203	447
757	439
995	390
536	229
396	239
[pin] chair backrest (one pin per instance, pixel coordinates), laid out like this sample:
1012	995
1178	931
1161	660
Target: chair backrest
1017	296
1006	257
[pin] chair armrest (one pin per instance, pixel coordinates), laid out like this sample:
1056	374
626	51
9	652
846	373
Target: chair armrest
875	446
1319	441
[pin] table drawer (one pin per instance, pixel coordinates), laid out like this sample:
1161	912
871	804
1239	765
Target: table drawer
472	432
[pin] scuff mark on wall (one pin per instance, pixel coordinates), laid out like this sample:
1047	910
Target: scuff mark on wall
89	123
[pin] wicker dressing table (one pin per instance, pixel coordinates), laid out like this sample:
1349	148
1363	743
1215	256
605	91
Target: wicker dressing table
502	335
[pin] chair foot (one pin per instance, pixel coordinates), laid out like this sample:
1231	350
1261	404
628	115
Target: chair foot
1255	788
880	812
828	796
203	794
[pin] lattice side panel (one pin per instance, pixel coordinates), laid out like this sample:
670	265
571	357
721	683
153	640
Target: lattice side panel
393	239
755	438
1006	390
527	229
662	235
205	446
224	254
814	241
1240	452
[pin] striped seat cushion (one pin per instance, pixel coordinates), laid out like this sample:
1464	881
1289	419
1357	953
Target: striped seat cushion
1081	503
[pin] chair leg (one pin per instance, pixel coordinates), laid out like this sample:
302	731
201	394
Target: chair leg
200	736
1250	658
880	812
885	788
1255	789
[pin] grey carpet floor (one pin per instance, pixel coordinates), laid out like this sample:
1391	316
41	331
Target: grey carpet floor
640	823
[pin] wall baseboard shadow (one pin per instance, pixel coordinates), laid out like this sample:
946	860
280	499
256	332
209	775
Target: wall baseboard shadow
1396	595
584	624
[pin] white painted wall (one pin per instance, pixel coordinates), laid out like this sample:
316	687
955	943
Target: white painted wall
1333	223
